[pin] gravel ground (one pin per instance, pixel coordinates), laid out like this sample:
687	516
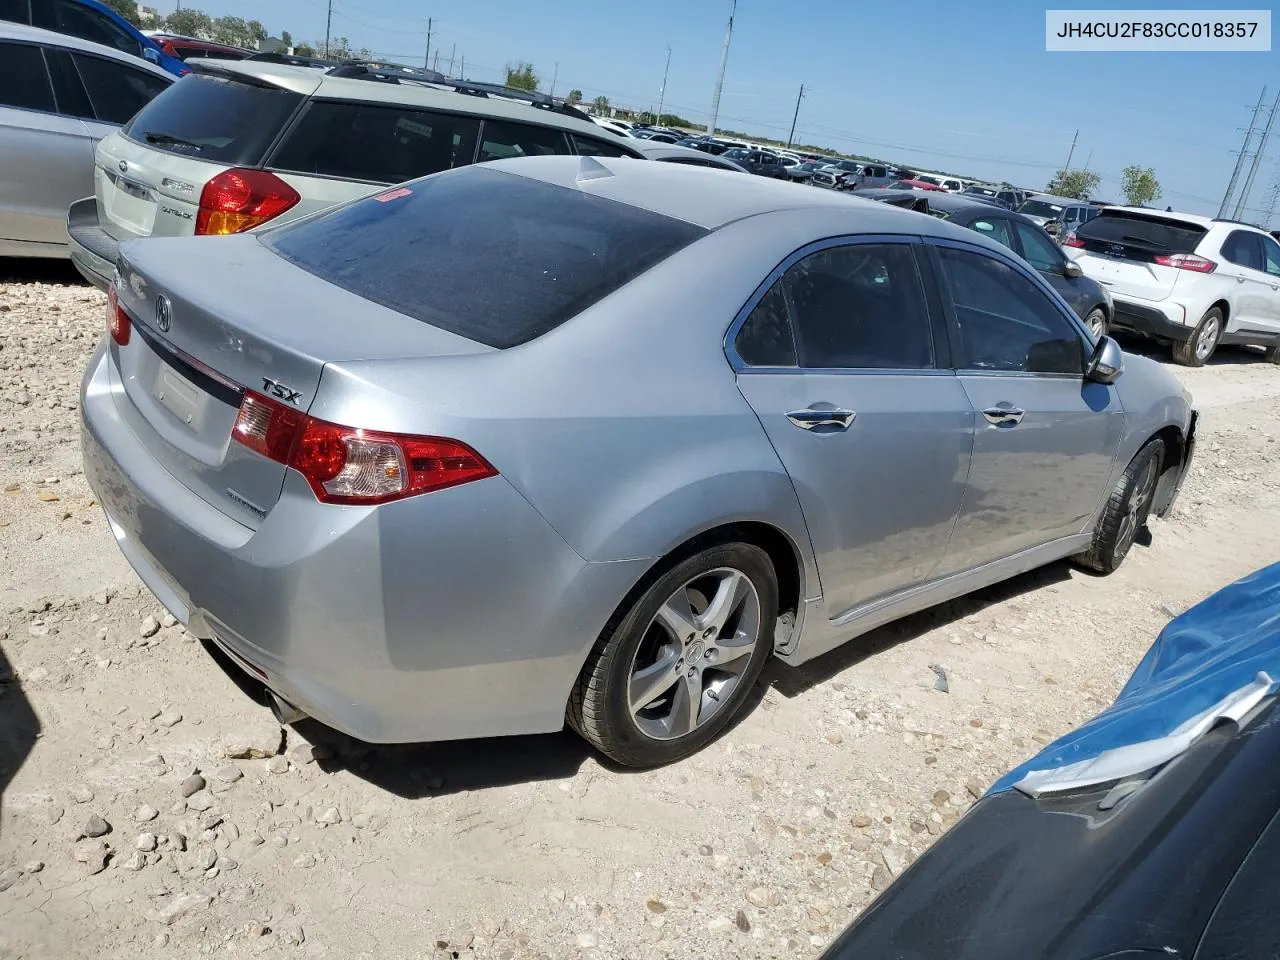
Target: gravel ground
151	809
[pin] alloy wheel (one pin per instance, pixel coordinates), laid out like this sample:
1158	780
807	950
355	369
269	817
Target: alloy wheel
1207	339
694	653
1144	487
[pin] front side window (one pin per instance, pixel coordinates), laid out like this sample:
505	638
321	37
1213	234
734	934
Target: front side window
1037	249
1006	321
503	139
859	306
1271	250
78	20
383	144
24	81
116	92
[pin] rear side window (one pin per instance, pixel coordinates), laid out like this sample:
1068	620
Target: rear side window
591	147
503	139
493	257
383	144
116	92
69	16
19	11
24	81
1244	250
1145	233
214	118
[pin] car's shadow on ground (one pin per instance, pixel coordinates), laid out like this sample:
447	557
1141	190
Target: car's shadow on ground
40	270
421	770
19	728
1227	355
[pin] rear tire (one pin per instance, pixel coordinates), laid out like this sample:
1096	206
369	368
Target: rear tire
1126	511
660	685
1272	354
1196	350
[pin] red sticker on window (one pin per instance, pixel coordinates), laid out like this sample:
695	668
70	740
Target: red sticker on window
393	195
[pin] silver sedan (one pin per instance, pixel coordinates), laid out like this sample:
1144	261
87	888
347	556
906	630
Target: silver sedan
450	461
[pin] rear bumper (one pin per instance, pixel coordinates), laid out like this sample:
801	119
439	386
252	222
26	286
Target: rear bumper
93	250
452	615
1163	321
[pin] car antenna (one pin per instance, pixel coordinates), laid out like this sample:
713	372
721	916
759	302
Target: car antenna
592	169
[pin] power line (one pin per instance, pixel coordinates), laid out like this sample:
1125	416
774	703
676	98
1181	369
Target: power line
1257	159
1244	149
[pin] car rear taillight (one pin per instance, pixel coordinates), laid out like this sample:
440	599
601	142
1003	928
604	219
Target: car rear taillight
347	465
117	320
240	199
1071	240
1186	261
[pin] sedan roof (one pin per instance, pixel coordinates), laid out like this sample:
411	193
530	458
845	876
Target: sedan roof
704	197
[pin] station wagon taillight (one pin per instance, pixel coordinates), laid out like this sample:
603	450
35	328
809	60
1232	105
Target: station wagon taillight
240	199
1186	261
117	320
347	465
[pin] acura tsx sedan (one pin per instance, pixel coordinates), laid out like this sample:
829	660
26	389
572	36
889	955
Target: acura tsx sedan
449	461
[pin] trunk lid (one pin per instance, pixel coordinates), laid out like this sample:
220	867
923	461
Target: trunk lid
1121	247
143	192
238	317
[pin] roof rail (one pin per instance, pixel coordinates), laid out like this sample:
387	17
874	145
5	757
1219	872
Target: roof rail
1243	223
292	60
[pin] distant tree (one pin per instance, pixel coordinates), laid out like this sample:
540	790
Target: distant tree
673	120
285	38
257	32
190	22
340	49
600	105
646	117
231	30
1077	184
304	50
521	75
126	8
1140	185
574	97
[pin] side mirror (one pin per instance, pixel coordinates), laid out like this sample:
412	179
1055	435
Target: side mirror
1107	362
150	54
1072	270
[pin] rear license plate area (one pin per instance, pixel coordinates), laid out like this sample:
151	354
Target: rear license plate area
181	397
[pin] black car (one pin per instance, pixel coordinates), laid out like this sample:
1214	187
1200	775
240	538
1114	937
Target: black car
1153	831
1086	297
758	162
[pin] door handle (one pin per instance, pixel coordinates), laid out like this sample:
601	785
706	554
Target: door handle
1004	415
811	418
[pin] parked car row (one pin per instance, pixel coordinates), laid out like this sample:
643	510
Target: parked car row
93	21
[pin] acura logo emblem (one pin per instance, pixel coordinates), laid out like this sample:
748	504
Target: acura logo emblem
164	313
124	166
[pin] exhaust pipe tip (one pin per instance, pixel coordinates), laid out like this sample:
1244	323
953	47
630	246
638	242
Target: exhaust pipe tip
284	711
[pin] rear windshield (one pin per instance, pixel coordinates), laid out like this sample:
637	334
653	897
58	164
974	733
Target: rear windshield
1134	229
493	257
213	118
1041	208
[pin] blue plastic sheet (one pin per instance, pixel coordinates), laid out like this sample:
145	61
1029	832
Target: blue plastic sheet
1215	648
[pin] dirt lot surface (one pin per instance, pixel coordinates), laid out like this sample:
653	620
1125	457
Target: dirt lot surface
151	809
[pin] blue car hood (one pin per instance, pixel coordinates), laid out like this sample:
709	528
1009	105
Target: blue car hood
1216	661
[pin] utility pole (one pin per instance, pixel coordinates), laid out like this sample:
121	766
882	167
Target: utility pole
462	70
794	117
724	62
436	64
662	91
1273	200
1071	152
1244	149
452	51
327	24
555	75
426	57
1257	159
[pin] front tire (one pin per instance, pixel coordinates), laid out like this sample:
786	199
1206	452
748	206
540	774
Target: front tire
672	671
1096	321
1272	354
1199	347
1126	511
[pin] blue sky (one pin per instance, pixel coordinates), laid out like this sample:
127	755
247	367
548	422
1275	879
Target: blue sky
966	88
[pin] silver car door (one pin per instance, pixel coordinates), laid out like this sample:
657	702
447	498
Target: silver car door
1252	288
46	159
1044	438
1271	314
863	410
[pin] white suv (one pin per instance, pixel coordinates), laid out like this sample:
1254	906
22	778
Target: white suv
238	143
1191	281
